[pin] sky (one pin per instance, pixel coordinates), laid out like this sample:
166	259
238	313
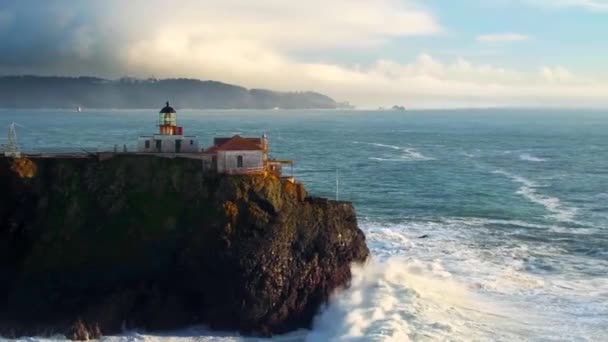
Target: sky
416	53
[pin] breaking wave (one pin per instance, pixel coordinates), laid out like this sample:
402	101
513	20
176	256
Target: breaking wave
531	158
404	300
407	153
529	191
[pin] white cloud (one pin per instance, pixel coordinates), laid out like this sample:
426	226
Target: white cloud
293	25
429	82
260	44
424	82
556	74
502	38
593	5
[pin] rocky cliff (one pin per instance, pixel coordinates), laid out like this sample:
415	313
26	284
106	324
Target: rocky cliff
92	246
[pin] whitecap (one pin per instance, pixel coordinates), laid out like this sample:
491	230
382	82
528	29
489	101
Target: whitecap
529	191
393	147
404	300
385	159
407	153
414	155
531	158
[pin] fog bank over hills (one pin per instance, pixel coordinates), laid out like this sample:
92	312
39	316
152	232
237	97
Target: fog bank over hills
130	93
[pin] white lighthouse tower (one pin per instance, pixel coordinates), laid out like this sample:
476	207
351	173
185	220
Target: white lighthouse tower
170	137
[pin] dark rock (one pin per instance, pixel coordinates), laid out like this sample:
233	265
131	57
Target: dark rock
153	243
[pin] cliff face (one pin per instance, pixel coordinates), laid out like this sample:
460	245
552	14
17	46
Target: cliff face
94	247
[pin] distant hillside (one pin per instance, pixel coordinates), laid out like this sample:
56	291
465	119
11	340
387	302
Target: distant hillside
128	93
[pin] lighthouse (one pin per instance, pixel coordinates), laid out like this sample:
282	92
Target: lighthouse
167	121
170	137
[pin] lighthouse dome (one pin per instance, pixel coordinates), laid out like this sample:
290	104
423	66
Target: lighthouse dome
167	109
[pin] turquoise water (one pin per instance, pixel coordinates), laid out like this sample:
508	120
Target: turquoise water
515	204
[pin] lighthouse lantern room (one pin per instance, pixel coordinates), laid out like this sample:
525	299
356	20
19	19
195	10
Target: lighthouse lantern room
170	137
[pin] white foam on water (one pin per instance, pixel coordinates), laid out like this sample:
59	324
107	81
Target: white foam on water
530	158
528	303
387	146
602	196
386	159
414	155
406	300
407	153
378	145
529	191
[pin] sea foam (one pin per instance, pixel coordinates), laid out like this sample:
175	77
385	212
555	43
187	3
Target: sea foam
529	191
403	300
530	158
406	153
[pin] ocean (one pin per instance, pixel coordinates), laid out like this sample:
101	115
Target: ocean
514	204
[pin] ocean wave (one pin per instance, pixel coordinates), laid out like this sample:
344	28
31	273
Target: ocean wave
529	191
413	154
404	300
407	153
514	276
387	146
393	147
531	158
385	159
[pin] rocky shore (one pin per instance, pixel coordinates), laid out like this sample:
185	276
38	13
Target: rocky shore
93	246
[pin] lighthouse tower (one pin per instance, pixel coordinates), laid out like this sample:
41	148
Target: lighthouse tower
170	137
167	121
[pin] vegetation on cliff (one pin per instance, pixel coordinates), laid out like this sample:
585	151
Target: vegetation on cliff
91	246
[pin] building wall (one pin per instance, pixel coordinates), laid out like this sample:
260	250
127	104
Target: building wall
208	163
167	142
227	160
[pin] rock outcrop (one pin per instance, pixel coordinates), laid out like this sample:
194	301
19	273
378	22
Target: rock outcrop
92	246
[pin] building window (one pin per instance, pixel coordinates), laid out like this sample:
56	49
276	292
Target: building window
147	144
239	161
158	145
191	142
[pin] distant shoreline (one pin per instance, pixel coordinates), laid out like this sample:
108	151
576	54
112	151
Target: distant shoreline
372	109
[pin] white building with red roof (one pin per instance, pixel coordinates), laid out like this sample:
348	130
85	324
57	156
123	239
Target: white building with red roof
230	155
238	155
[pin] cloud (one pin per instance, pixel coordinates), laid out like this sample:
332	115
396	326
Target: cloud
592	5
502	38
99	36
428	82
556	74
265	44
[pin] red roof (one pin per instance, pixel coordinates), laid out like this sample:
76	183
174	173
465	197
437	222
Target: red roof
236	143
221	141
210	150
